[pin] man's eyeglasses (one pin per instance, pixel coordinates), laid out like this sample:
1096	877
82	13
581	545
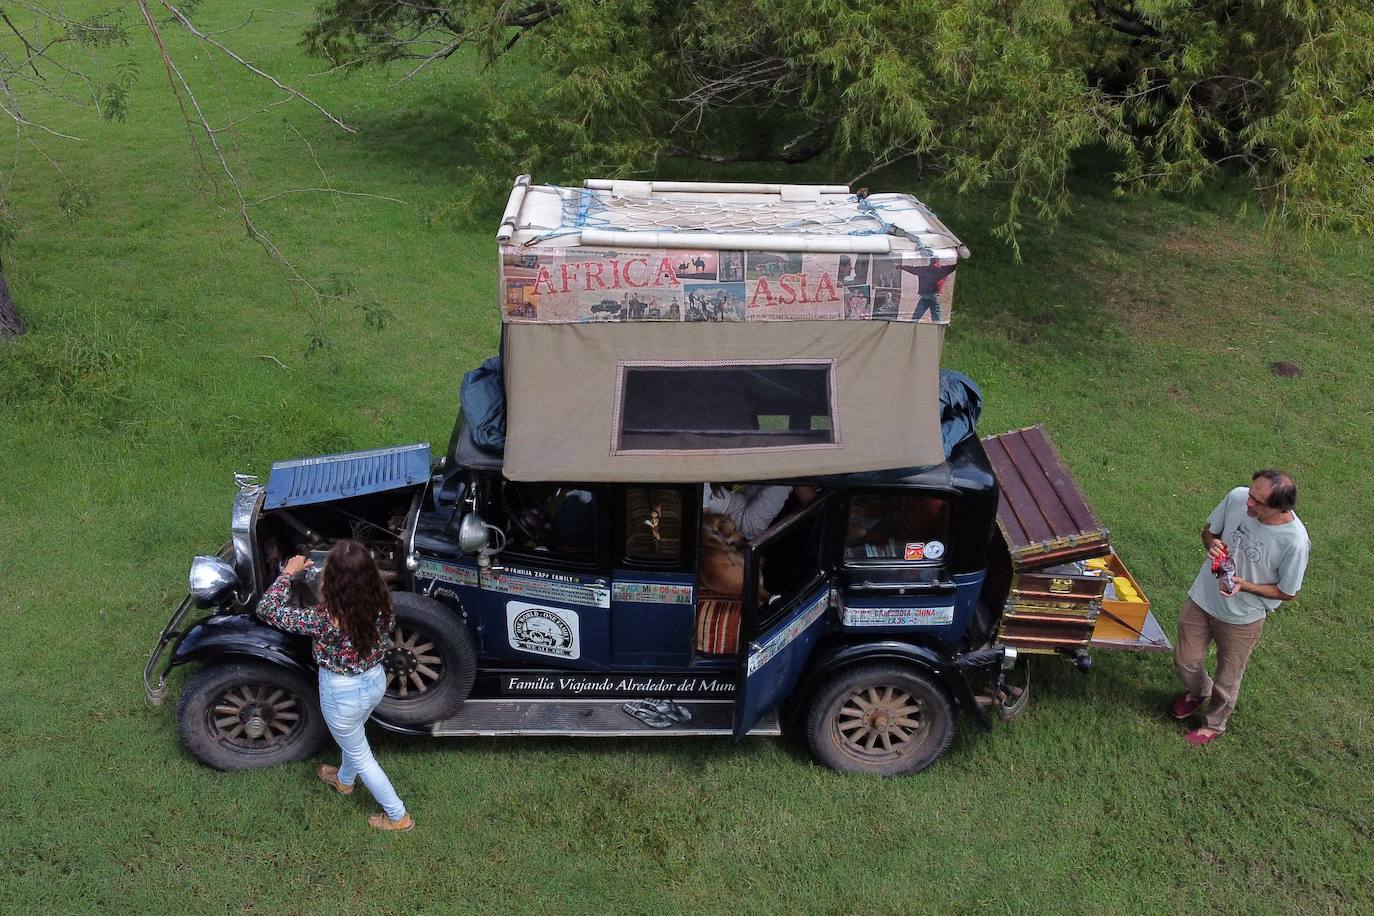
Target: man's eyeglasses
1250	497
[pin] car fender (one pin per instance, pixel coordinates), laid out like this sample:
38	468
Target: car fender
828	660
223	636
226	636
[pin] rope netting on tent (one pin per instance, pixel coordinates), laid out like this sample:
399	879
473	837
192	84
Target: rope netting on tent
591	209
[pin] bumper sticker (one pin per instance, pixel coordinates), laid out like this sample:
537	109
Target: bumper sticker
652	592
898	616
540	589
446	572
763	654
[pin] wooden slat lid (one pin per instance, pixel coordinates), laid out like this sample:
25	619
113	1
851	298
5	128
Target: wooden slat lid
1042	513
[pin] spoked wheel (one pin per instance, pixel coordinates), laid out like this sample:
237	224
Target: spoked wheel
249	714
880	718
254	716
431	664
412	668
881	722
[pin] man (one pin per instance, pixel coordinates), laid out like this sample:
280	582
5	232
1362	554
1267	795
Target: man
930	280
752	507
1258	529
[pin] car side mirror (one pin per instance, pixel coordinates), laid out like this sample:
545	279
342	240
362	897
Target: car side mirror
474	533
475	536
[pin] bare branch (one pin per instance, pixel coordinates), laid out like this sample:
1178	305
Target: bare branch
883	162
253	13
180	86
172	76
1127	22
33	52
271	358
20	119
186	24
441	54
329	190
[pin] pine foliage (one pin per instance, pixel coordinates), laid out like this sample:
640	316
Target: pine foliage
987	93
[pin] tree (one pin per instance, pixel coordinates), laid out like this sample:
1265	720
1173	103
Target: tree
45	52
986	93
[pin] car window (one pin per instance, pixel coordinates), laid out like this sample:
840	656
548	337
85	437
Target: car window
906	527
653	524
790	563
558	519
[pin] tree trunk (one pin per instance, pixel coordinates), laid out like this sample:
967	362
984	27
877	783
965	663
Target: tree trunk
11	325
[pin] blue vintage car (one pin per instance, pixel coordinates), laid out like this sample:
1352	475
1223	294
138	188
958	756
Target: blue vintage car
555	571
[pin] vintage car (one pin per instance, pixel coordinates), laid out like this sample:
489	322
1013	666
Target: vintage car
549	573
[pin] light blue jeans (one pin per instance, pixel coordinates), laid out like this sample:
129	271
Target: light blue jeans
347	701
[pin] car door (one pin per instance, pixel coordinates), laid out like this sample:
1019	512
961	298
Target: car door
653	594
792	561
546	599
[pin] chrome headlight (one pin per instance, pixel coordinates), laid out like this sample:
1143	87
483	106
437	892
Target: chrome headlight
211	581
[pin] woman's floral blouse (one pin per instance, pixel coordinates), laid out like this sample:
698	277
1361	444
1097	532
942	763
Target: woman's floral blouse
332	648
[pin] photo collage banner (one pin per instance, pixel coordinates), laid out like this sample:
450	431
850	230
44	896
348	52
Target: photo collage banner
569	285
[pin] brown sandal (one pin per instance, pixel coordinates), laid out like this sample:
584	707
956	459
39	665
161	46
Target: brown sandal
381	821
330	775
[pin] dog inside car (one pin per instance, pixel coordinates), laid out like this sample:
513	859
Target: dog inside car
722	557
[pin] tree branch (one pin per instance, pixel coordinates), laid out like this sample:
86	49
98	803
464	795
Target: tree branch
1127	22
186	24
33	52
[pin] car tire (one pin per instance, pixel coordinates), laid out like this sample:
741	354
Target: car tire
880	718
247	714
431	664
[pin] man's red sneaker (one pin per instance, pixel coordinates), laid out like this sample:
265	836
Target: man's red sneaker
1200	736
1184	706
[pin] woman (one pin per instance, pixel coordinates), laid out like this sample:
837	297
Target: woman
349	630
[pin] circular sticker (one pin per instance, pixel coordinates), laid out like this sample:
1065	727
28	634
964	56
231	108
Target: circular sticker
539	627
934	550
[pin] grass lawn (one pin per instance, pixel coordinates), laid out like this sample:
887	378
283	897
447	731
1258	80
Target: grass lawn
166	352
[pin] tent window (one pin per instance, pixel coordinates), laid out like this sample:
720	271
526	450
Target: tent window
741	406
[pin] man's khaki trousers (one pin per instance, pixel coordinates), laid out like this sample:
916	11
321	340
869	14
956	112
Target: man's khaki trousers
1197	630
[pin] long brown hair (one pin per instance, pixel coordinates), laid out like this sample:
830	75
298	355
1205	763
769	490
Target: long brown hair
353	592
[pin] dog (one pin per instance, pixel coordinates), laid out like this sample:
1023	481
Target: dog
722	557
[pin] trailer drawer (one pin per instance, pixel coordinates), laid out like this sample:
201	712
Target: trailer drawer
1123	618
1048	626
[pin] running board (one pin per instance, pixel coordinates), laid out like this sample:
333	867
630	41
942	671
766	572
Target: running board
588	719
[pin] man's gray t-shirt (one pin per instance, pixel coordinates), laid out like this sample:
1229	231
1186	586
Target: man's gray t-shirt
1264	554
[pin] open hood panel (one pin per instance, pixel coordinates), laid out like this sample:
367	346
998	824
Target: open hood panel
305	481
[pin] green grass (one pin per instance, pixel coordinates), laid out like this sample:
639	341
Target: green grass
1140	332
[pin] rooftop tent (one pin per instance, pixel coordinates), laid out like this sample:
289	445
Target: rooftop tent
691	331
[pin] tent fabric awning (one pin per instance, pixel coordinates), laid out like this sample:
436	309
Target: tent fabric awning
811	398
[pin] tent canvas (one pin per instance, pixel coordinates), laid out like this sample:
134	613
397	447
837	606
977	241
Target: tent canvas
866	397
687	331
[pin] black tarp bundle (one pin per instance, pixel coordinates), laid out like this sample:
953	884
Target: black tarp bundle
961	403
484	405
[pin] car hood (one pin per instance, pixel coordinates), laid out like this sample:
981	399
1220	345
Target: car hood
324	478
